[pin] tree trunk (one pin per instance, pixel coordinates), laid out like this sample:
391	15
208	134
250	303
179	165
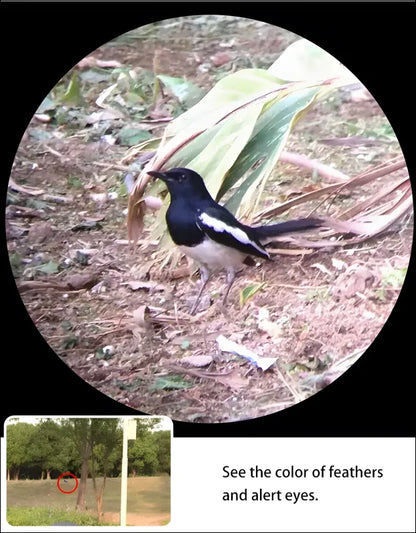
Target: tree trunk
82	484
98	493
48	474
99	497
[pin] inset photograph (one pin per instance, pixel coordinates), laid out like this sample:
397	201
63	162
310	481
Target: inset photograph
88	471
209	218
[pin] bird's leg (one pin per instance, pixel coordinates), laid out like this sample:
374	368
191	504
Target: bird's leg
230	281
205	274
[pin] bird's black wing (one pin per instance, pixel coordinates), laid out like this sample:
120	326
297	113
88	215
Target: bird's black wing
221	226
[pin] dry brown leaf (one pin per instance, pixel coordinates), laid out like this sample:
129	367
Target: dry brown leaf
140	322
196	360
135	215
397	188
40	232
354	280
180	272
234	380
77	282
220	58
361	179
141	316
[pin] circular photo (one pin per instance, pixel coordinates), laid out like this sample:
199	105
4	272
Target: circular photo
209	218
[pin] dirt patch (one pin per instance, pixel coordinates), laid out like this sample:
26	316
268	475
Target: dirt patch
125	326
136	519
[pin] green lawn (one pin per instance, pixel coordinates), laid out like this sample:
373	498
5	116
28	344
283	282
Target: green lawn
42	516
36	502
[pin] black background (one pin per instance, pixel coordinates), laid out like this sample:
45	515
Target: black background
41	42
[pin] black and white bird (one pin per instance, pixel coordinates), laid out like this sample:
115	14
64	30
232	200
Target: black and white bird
207	232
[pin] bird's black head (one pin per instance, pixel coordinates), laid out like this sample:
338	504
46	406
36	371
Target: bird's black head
182	181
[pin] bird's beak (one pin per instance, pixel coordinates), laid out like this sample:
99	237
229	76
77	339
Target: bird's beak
160	175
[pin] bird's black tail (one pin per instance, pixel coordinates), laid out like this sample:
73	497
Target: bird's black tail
299	224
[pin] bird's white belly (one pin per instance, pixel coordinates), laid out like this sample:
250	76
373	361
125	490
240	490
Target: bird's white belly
213	255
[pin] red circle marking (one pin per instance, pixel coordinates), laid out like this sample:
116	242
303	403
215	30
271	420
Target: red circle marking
67	474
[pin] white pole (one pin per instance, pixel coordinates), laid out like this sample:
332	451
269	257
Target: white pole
123	500
129	433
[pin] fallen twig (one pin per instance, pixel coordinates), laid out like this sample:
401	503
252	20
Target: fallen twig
73	283
330	174
58	199
25	189
13	211
52	151
31	285
197	373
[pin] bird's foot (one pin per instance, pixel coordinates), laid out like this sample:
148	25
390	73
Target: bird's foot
201	303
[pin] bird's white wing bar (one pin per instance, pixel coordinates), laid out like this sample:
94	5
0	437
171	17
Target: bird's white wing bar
237	233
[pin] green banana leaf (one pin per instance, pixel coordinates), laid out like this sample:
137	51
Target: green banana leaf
235	134
261	153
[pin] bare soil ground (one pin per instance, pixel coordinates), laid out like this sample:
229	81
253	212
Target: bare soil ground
122	322
136	519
